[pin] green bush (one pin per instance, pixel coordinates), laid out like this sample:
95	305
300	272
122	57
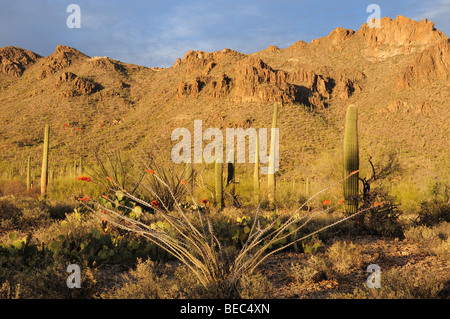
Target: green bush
433	212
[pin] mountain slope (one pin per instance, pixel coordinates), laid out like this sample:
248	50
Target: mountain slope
398	75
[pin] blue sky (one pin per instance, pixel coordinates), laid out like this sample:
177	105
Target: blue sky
156	32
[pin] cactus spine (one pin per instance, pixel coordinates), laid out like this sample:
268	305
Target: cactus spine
256	185
351	160
44	173
218	170
29	173
271	181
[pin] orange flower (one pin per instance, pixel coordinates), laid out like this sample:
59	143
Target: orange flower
66	125
110	178
378	204
204	201
327	202
150	171
86	198
341	201
183	182
84	178
155	203
79	129
105	196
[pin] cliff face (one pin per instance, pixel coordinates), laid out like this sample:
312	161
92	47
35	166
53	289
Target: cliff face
431	64
250	79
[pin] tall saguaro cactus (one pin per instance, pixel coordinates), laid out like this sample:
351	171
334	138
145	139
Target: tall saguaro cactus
351	160
256	188
271	181
218	170
44	173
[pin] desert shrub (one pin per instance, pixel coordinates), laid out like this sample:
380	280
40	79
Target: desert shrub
17	189
145	282
23	214
289	196
408	194
39	276
316	269
400	283
408	283
433	212
344	256
255	286
434	239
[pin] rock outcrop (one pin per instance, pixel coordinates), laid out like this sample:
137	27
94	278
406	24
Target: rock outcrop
432	64
14	61
255	81
401	106
61	58
401	31
77	85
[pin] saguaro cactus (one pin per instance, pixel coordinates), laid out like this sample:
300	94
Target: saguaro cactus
218	170
271	181
351	160
44	173
29	173
256	188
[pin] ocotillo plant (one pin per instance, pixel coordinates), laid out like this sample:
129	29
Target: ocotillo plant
351	160
44	173
218	170
29	173
256	185
271	182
